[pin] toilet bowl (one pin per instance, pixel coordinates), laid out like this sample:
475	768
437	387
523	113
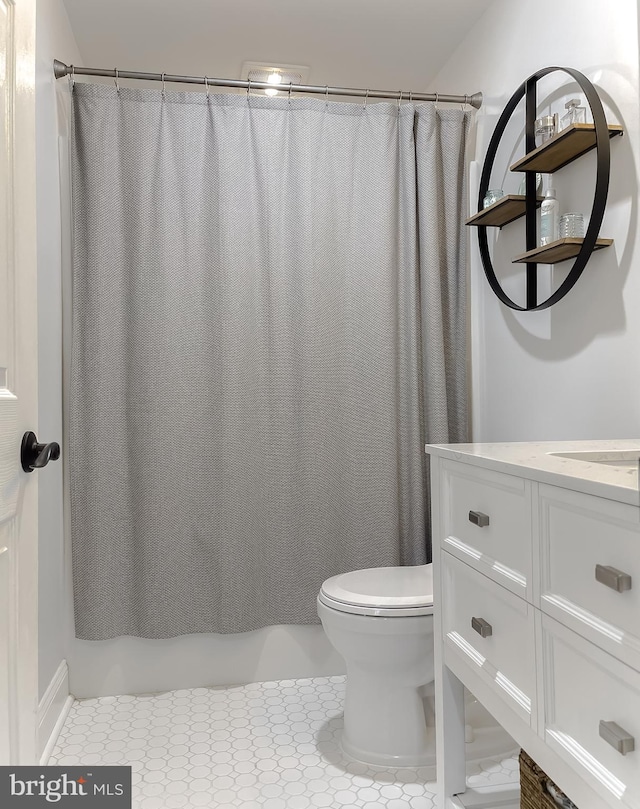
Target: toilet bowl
381	621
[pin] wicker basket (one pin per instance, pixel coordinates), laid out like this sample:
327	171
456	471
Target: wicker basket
532	785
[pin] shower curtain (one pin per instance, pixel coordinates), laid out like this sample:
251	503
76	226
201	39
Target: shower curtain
268	324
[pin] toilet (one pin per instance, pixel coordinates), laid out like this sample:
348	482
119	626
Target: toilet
381	621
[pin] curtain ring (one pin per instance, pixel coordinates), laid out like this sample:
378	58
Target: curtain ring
326	96
399	99
206	84
410	96
366	96
462	106
248	88
163	75
115	81
289	93
72	77
436	101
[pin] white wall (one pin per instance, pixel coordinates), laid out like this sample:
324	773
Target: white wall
571	371
54	39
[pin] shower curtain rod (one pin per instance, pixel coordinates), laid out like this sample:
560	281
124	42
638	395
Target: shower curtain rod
60	70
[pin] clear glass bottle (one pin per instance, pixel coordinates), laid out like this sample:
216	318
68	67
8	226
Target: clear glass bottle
575	114
549	217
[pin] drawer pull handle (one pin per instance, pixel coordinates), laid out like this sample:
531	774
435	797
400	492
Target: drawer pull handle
613	578
617	737
479	519
482	627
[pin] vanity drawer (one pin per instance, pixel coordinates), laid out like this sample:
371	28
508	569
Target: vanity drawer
500	548
607	692
583	537
492	631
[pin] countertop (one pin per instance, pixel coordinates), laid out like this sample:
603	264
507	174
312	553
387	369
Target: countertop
533	460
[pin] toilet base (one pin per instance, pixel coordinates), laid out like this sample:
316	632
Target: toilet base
414	742
427	758
384	725
489	742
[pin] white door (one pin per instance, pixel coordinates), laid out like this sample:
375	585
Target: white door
18	385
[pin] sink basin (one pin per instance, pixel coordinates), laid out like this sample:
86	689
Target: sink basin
624	458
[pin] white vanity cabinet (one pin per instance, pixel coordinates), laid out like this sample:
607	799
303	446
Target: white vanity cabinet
537	612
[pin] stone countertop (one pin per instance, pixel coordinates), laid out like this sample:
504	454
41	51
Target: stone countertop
532	459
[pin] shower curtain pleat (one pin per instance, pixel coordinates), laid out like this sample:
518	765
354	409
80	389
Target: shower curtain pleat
268	324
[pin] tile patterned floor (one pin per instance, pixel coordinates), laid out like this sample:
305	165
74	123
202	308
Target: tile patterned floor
271	745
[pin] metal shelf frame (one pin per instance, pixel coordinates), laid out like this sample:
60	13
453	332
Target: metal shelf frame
528	91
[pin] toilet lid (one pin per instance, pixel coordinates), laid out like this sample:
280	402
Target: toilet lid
388	587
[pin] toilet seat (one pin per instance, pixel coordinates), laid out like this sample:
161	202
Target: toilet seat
390	592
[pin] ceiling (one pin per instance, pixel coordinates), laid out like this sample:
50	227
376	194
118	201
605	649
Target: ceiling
384	44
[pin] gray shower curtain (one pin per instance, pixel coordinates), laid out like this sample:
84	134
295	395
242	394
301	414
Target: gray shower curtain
268	324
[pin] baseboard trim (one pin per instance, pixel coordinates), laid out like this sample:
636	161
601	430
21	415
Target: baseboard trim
52	711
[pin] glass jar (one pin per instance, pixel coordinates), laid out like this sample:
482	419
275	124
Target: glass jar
492	196
545	128
571	226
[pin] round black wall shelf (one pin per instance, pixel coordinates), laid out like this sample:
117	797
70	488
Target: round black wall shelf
563	148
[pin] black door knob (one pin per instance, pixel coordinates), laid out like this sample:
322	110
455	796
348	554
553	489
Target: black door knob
34	455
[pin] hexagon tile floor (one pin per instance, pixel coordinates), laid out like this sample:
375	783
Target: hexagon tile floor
269	745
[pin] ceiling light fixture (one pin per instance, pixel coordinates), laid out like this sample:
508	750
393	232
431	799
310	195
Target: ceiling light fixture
278	75
273	78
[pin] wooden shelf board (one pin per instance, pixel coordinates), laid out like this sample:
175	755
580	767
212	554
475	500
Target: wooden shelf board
560	250
563	148
505	210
